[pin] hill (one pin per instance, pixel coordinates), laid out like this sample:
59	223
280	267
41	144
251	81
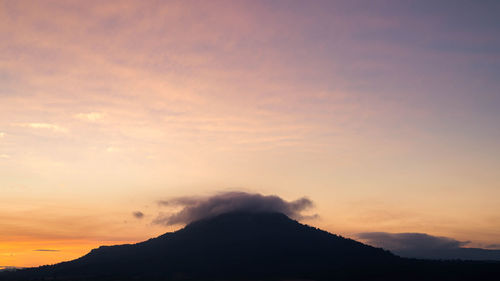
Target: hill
251	246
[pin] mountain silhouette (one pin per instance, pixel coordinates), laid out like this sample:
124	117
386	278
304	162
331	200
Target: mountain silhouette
252	246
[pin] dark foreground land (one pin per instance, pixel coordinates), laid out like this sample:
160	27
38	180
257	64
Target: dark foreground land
252	246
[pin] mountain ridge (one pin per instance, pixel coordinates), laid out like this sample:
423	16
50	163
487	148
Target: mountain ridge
247	246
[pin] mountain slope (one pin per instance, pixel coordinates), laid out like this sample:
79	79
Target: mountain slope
247	246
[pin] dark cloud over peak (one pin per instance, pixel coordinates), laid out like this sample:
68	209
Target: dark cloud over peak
195	208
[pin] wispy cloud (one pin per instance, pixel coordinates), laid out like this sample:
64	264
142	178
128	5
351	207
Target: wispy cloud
112	149
45	126
6	267
91	116
2	134
46	250
4	156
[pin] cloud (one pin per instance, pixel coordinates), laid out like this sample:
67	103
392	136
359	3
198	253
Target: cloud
425	246
410	241
46	250
2	134
138	214
9	268
91	116
195	208
112	149
47	126
493	246
4	156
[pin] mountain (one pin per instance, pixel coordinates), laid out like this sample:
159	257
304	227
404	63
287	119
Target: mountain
251	246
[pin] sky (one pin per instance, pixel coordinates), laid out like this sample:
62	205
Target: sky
384	114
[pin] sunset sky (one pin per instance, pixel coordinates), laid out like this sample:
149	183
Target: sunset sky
385	114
